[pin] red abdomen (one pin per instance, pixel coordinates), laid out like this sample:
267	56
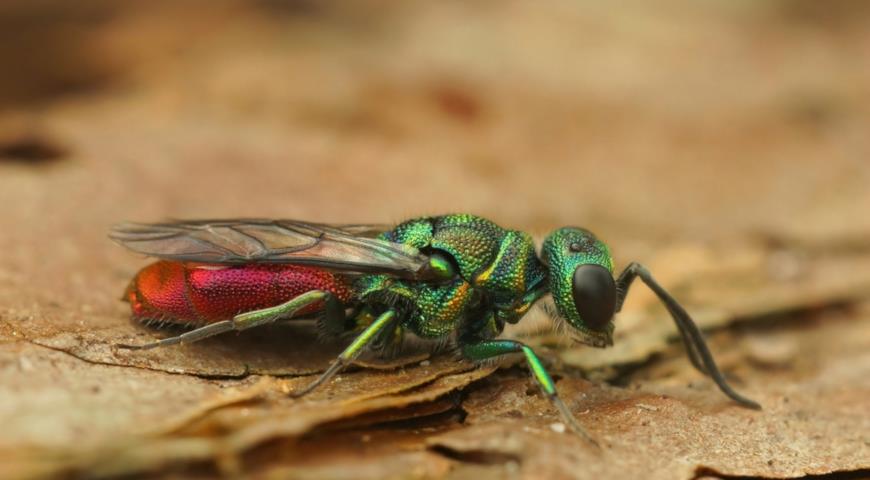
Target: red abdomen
198	293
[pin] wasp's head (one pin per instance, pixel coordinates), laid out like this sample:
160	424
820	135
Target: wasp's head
581	282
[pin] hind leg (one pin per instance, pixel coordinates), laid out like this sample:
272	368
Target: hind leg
247	320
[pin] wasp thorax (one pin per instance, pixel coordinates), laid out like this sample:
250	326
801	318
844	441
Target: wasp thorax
441	266
581	282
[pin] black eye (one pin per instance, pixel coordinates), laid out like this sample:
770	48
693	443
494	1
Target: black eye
594	294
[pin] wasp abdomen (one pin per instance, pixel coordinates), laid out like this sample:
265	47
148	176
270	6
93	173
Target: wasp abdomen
182	293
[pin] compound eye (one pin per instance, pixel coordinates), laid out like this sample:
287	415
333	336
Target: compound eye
594	294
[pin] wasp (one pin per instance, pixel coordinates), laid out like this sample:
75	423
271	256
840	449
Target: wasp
456	280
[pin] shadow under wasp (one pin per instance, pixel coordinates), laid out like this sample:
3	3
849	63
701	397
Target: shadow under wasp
455	279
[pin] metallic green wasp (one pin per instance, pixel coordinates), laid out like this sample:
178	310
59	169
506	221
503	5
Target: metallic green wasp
454	279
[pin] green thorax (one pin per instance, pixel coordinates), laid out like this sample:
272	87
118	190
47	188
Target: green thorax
495	271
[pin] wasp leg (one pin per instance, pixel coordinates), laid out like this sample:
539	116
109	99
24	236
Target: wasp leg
699	353
381	324
241	322
333	319
493	348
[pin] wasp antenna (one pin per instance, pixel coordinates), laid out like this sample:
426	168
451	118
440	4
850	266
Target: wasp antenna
699	353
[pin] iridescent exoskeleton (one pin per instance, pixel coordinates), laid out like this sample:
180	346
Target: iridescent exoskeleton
455	279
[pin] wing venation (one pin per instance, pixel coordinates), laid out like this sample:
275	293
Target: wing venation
349	248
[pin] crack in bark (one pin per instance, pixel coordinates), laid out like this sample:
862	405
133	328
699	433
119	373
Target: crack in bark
36	343
707	472
475	456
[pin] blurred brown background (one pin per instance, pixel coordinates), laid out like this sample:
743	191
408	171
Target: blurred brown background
722	125
674	120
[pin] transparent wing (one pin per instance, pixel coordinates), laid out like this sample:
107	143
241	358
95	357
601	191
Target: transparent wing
349	248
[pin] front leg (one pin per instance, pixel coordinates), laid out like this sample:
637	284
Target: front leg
489	349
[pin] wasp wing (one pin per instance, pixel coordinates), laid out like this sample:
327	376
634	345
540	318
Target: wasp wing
346	248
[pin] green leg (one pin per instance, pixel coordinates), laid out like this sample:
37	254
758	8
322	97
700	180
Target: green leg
241	322
381	324
494	348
